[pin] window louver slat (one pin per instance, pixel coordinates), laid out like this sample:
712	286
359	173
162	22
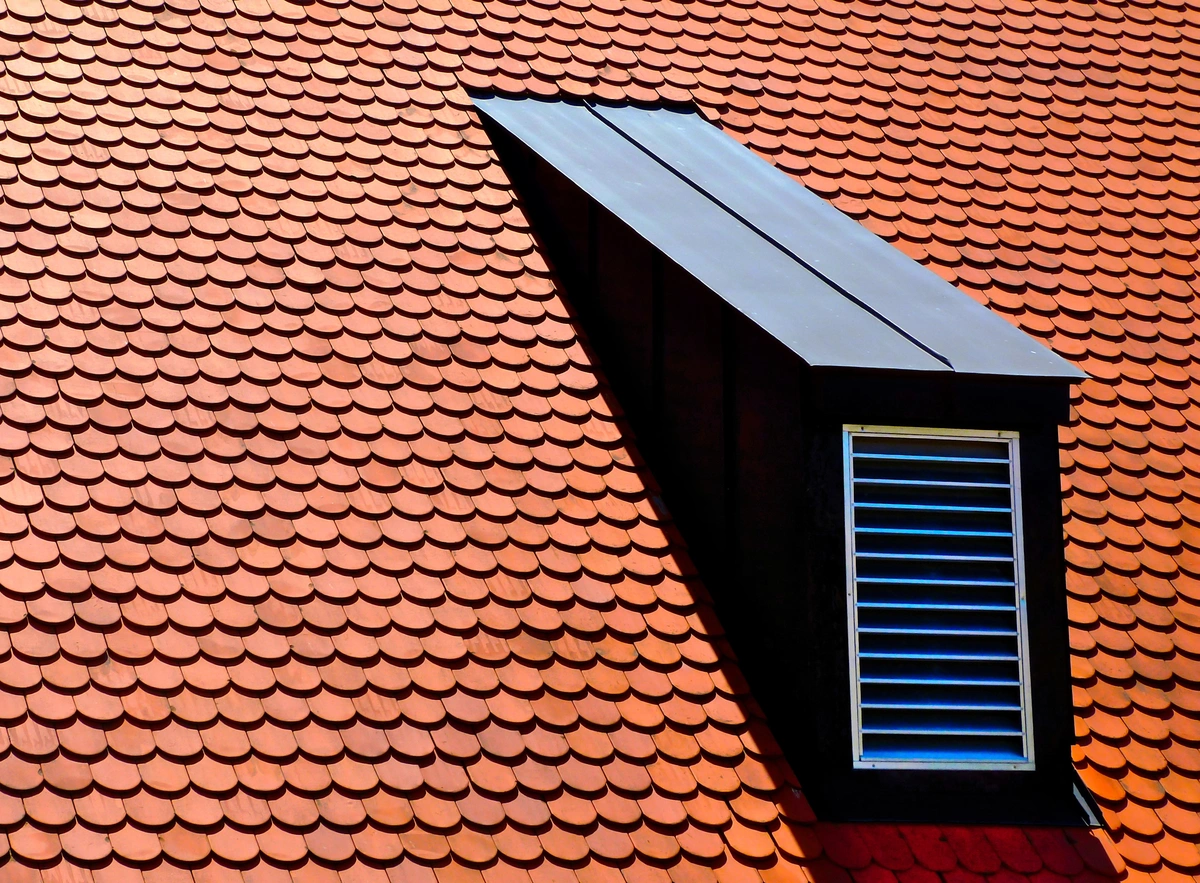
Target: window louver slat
937	627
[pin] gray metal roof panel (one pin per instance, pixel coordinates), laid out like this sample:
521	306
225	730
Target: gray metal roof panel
912	298
754	276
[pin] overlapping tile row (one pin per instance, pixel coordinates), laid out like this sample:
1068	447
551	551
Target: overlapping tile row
322	545
1042	158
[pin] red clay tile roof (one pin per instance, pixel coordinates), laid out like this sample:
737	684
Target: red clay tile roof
323	550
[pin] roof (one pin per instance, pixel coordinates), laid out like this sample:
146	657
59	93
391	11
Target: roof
819	282
299	437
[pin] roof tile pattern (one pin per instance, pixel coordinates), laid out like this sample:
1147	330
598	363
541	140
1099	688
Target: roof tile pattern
324	553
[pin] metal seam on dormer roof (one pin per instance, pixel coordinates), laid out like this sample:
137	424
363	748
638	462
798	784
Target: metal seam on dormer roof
820	283
816	271
688	227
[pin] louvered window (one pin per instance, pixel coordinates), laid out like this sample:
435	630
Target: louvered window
937	615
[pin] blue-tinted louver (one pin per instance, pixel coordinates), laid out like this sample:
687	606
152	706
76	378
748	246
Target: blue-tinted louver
936	601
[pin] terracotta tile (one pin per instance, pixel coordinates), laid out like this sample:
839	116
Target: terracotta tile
308	247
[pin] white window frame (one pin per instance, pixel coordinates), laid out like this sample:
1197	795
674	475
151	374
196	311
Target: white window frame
850	430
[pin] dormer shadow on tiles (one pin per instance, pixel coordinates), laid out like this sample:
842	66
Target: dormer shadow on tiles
861	458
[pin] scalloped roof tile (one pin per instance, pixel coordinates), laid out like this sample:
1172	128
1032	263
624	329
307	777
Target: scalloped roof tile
325	555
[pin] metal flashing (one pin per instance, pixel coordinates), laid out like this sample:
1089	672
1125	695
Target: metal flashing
768	286
815	279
